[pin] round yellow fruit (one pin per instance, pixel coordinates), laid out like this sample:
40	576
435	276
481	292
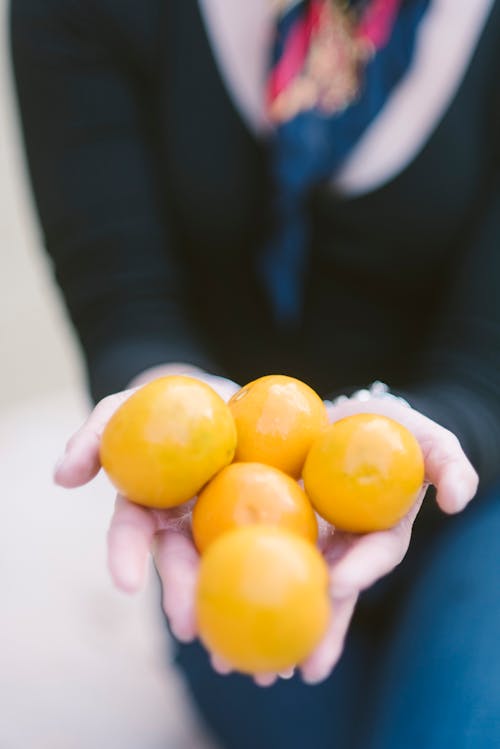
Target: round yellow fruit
167	440
364	473
248	494
277	419
262	599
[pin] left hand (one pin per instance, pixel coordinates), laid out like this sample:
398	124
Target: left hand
355	562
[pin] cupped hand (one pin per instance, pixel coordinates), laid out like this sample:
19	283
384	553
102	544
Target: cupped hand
137	531
355	561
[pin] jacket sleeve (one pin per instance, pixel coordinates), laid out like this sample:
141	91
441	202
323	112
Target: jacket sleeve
458	384
85	95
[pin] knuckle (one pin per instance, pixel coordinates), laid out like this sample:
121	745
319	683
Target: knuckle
448	442
453	442
105	405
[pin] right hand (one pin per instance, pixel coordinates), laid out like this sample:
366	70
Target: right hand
136	531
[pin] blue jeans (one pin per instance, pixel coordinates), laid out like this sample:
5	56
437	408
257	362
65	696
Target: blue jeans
421	667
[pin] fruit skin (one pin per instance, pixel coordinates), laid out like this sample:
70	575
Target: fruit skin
167	440
364	473
262	598
250	493
277	419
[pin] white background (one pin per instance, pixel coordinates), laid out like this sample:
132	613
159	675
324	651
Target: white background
81	666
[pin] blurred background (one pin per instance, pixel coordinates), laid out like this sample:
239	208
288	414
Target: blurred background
81	666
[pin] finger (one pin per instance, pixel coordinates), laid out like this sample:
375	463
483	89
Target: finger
287	674
129	540
372	556
177	563
448	468
265	680
220	665
320	664
80	461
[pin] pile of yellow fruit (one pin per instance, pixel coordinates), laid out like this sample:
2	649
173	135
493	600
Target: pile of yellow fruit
262	595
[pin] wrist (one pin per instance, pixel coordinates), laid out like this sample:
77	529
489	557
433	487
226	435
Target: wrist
375	399
377	391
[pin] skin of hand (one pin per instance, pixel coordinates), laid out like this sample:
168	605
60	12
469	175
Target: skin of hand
355	561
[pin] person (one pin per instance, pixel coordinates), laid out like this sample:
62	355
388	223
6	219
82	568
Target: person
310	187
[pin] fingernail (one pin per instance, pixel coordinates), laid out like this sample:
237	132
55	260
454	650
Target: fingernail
59	464
181	635
265	680
129	582
458	493
128	577
311	680
221	667
462	498
317	678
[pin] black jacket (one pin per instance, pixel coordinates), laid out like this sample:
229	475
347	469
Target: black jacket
154	197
